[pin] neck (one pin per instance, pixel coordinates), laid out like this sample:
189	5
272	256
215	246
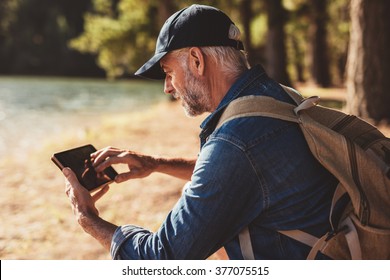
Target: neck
219	84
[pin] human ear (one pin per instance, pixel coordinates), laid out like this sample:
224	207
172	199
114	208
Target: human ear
197	60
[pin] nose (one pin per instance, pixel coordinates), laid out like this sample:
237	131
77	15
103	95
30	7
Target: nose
168	88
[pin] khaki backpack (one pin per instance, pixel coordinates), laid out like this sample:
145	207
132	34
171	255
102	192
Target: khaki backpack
356	153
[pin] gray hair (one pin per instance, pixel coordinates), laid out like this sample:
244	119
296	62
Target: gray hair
231	61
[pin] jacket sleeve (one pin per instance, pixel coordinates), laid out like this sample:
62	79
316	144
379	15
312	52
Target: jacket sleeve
218	202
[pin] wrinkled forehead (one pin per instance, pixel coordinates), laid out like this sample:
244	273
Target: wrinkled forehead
169	60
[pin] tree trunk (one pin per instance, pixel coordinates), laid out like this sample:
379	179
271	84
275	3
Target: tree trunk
276	47
246	18
298	60
368	84
320	60
166	8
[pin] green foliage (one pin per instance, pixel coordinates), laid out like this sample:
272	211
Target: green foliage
297	32
125	40
34	35
259	30
8	10
339	36
298	36
121	43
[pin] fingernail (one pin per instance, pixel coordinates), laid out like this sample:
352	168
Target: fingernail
65	171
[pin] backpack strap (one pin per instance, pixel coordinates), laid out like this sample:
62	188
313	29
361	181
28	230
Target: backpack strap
317	244
246	244
252	106
265	106
301	236
352	238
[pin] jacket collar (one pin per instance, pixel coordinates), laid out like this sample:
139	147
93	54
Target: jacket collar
234	92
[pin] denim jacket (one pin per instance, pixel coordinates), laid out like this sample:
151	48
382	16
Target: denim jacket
254	171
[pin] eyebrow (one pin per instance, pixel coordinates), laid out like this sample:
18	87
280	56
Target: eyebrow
165	61
164	67
165	57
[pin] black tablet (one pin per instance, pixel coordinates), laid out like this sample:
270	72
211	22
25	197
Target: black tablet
79	160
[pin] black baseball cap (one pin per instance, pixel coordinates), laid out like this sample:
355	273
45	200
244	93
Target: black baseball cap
194	26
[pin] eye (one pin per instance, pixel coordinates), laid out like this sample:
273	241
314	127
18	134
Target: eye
168	74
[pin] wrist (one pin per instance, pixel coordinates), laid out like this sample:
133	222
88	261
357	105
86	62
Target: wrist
87	220
178	167
98	228
160	164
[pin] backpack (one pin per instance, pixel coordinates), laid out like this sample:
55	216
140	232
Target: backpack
356	153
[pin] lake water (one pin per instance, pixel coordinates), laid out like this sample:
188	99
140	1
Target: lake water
34	106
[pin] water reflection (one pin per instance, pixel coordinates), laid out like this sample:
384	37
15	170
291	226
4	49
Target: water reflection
88	95
33	107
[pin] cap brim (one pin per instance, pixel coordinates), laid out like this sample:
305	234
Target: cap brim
152	69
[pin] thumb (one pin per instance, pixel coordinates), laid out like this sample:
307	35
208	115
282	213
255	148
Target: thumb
133	174
70	176
100	193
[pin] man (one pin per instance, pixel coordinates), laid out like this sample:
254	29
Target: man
254	175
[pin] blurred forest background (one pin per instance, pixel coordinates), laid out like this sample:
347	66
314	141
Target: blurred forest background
329	43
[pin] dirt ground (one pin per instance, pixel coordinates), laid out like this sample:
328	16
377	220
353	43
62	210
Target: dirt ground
36	219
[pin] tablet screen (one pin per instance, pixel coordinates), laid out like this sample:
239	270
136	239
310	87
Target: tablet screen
79	160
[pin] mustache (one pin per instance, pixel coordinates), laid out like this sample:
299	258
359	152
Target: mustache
176	95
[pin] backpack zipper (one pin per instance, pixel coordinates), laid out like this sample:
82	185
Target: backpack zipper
364	211
342	123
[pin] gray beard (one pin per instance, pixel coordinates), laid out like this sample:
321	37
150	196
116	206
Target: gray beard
196	98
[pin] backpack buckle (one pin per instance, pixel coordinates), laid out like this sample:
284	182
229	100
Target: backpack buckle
307	103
